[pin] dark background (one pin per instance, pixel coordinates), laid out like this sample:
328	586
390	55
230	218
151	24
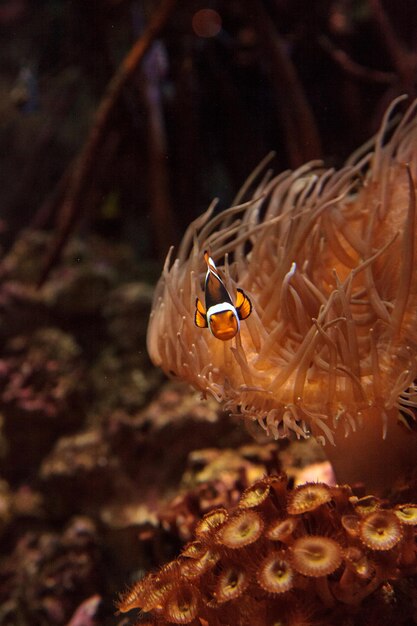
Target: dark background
306	79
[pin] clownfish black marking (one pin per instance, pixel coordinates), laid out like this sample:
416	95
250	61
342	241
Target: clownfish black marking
220	315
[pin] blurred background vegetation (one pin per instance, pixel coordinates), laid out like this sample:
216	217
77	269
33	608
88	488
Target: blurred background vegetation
223	83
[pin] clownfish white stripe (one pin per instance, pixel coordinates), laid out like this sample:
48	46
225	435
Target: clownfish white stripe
219	308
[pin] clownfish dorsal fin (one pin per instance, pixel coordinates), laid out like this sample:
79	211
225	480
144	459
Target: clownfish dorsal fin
215	290
211	266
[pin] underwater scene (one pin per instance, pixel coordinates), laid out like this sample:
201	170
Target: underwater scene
208	313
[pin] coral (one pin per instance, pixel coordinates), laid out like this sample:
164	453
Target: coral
330	348
126	312
132	383
80	463
41	392
48	573
76	293
40	372
124	473
154	443
66	365
66	356
24	261
215	478
342	559
124	362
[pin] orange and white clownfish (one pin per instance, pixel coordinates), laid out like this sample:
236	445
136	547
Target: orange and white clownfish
220	315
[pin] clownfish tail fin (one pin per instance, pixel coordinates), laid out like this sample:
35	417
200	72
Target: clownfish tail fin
243	305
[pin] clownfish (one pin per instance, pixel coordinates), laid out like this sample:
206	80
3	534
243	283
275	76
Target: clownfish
220	315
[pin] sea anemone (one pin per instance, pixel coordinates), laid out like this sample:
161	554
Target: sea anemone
275	574
315	556
202	560
329	261
380	530
181	606
365	505
255	495
282	530
242	529
231	583
308	497
407	514
211	521
357	562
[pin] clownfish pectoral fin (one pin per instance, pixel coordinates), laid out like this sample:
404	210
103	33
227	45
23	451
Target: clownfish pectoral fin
200	317
243	305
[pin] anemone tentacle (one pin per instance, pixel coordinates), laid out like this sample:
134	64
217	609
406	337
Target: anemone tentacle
329	261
